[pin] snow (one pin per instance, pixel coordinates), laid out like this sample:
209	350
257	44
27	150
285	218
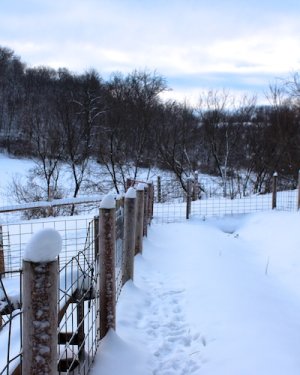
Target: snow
211	297
140	186
131	193
44	246
108	202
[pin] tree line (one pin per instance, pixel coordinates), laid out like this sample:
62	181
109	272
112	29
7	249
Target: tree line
59	117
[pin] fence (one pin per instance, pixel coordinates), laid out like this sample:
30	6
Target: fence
173	204
92	269
95	262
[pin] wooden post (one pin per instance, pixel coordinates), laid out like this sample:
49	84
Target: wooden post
129	234
158	189
107	242
298	190
146	198
139	219
274	191
129	183
188	197
196	187
2	265
40	319
150	203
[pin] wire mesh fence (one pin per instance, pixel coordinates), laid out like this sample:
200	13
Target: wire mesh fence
10	321
78	309
209	201
79	270
16	236
78	297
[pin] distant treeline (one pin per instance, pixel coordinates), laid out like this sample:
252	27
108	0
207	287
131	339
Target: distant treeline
56	115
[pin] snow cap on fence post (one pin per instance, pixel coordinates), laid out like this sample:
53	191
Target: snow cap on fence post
108	202
40	296
131	193
44	246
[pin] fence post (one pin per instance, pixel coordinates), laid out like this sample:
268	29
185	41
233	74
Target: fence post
158	189
107	241
129	183
196	187
150	202
188	197
146	200
40	295
298	189
274	190
2	265
129	234
139	219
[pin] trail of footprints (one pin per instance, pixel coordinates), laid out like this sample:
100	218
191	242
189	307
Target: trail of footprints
178	350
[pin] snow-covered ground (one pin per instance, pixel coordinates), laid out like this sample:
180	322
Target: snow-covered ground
215	297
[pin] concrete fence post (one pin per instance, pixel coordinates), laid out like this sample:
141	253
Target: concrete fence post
146	200
107	242
188	197
2	265
158	189
274	191
139	228
129	234
40	296
298	205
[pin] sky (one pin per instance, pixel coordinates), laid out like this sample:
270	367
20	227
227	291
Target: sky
238	45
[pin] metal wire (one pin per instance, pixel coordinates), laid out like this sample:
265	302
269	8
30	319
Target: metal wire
11	322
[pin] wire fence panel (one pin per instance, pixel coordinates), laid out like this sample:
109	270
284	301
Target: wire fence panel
10	321
210	202
78	309
78	305
16	236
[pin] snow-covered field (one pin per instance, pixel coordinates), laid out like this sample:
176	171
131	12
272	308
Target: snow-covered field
215	297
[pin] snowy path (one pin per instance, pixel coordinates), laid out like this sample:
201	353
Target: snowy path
207	302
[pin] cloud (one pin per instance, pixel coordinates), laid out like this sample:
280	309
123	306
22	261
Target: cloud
182	39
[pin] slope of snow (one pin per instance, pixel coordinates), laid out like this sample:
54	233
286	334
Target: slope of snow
212	297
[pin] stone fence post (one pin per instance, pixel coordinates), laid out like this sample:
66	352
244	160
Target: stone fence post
40	296
129	234
139	219
107	243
